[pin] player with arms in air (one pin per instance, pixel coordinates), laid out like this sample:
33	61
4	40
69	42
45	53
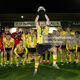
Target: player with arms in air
42	30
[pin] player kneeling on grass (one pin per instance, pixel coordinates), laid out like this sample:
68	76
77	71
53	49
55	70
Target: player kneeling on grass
20	51
8	46
32	42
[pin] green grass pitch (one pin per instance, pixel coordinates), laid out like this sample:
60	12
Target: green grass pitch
45	72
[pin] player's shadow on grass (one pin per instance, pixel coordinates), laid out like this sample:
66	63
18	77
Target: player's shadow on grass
47	73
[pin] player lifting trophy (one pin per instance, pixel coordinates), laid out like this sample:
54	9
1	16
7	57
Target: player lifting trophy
41	11
42	30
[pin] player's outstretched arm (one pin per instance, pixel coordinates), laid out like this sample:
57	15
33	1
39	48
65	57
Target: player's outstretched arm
47	19
15	51
26	51
36	20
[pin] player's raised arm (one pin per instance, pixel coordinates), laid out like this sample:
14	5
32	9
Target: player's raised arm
36	20
47	18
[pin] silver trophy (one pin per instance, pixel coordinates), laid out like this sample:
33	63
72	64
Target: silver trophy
41	11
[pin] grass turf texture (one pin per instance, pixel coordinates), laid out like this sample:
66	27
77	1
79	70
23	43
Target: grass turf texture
45	71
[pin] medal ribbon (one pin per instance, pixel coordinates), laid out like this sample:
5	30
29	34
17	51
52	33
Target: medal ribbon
42	31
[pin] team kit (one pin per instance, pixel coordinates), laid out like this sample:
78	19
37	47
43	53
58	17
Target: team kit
32	45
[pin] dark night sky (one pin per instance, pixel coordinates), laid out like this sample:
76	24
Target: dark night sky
29	6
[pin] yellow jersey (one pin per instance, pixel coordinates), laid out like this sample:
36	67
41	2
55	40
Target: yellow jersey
78	39
32	41
71	44
8	43
57	41
79	43
63	33
25	38
63	36
20	49
41	33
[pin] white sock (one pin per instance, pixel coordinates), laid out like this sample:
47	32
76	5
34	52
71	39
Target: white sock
54	63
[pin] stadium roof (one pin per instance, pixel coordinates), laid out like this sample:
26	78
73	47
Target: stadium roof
31	16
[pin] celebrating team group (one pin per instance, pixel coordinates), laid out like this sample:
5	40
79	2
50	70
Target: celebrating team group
34	43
